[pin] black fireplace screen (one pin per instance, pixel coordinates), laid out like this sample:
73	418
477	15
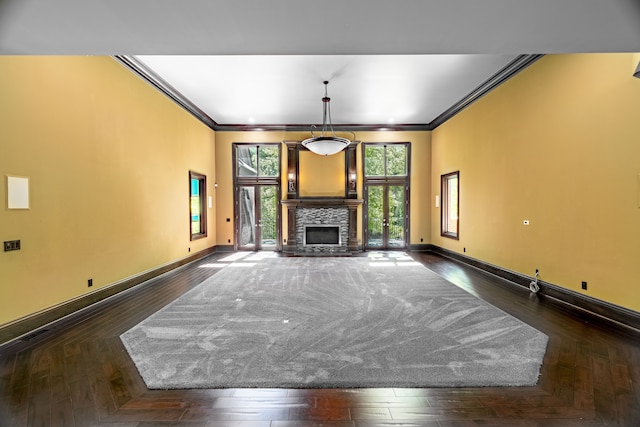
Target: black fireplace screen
322	235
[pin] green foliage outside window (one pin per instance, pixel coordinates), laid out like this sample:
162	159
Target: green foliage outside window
268	161
396	160
385	160
374	163
268	205
261	161
376	212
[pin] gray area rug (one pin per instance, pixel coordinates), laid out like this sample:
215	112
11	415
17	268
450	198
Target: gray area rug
332	322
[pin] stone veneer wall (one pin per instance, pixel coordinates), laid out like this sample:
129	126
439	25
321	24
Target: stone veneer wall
322	216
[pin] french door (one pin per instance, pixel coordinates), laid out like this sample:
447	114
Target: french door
386	194
386	216
257	196
257	218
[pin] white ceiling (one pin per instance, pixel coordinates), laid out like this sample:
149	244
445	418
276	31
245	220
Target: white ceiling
257	61
364	89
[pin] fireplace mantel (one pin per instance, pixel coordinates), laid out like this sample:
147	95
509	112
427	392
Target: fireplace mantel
292	205
320	202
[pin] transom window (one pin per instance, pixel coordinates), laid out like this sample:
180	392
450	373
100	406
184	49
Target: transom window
257	160
384	160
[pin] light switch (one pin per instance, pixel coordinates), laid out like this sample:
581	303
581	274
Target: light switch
437	201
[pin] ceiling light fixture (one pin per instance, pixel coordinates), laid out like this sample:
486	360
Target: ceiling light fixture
327	143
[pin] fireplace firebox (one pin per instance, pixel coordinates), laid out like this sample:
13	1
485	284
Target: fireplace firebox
322	235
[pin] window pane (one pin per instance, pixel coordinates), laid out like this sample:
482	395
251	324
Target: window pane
452	205
268	210
247	216
396	160
197	205
396	216
269	161
450	208
374	160
375	210
247	161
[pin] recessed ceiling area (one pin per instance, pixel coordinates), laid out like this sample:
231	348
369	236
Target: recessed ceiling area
286	90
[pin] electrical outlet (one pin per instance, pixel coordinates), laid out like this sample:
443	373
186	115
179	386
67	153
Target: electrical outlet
90	283
584	285
12	245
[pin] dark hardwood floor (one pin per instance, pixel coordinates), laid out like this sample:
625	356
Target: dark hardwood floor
77	373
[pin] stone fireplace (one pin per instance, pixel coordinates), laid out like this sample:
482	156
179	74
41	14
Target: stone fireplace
331	224
328	211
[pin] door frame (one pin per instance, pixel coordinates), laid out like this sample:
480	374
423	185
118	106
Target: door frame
385	214
257	209
386	182
256	181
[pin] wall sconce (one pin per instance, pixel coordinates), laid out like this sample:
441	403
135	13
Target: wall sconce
353	178
292	183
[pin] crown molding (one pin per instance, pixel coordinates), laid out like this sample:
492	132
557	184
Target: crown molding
511	69
336	128
163	86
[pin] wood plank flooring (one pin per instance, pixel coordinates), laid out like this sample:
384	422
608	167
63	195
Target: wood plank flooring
77	373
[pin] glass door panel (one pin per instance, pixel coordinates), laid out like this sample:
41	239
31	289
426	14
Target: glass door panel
267	220
386	222
375	216
395	218
258	217
247	217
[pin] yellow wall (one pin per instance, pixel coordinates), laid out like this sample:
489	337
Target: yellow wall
558	145
321	176
108	158
420	176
